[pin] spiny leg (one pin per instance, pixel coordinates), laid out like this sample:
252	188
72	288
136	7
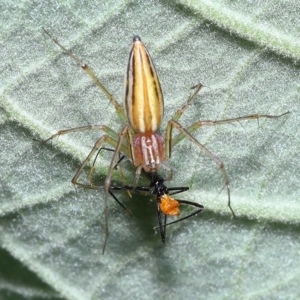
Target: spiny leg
107	181
106	187
111	138
175	140
172	142
96	147
185	133
75	178
121	157
104	128
118	146
87	69
132	157
177	116
180	111
115	167
118	163
111	150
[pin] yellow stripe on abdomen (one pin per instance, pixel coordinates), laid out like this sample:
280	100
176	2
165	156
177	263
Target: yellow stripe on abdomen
143	96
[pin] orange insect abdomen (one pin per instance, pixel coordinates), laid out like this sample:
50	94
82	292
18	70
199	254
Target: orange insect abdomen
169	206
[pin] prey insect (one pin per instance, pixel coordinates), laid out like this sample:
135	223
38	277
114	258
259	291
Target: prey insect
141	117
165	204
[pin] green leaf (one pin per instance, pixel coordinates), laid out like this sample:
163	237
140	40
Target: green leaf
246	55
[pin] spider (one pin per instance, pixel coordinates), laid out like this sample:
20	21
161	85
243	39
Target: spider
141	117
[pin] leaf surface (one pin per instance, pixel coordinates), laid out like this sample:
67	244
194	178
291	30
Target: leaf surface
246	55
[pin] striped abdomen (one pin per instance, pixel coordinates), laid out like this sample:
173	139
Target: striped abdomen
143	97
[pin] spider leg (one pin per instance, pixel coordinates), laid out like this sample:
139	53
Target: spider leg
176	117
217	161
104	128
175	140
89	71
